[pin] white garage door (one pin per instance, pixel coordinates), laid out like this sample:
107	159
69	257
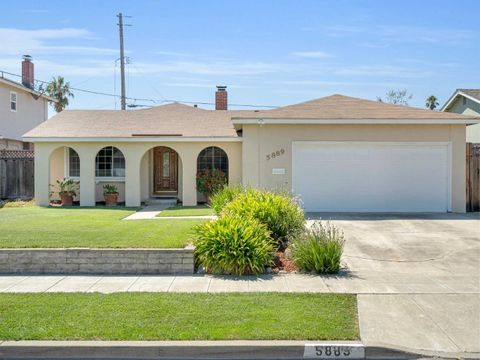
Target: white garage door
371	177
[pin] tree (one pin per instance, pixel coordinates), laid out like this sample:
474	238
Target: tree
431	102
396	97
59	90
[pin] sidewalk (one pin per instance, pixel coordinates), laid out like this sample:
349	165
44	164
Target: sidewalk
412	313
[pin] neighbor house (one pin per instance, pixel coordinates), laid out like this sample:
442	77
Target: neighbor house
466	102
21	108
336	153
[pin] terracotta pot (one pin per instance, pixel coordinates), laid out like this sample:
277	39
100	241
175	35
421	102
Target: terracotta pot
67	199
110	199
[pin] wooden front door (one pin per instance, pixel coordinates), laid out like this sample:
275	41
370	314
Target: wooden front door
165	172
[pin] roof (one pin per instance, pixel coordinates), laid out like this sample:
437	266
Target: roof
24	88
345	107
178	120
168	120
472	94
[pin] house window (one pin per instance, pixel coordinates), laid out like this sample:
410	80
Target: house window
464	100
73	163
110	162
13	101
213	158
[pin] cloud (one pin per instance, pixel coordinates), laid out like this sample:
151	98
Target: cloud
312	54
18	41
400	34
210	68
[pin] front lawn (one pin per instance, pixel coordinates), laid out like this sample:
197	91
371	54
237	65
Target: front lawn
36	227
200	210
175	316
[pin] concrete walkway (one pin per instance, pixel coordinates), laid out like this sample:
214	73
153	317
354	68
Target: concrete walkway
412	314
421	284
150	212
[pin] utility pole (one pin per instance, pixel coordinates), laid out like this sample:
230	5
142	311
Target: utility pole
122	62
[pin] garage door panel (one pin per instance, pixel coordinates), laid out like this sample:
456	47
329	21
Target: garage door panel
371	176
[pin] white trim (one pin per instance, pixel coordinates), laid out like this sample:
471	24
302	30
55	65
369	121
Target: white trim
454	96
475	120
131	139
447	144
16	101
100	179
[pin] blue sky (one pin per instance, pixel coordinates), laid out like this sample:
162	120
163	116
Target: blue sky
273	52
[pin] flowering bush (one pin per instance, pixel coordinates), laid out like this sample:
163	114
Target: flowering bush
210	181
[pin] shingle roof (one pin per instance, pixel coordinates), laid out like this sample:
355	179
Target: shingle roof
181	120
168	120
345	107
472	92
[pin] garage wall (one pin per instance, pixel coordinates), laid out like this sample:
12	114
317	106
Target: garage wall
260	141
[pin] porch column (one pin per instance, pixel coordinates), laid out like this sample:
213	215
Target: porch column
133	159
87	175
42	174
189	178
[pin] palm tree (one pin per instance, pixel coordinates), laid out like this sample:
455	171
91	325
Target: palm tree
431	102
59	90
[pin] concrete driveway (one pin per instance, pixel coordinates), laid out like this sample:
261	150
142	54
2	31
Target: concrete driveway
418	279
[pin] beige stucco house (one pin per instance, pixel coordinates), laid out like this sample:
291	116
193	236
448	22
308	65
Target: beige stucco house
336	153
21	107
466	102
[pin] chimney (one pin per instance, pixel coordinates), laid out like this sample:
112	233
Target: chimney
27	72
221	98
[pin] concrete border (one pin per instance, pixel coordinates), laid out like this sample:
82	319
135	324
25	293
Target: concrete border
158	349
97	261
147	350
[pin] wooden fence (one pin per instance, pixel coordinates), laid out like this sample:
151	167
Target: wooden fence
473	177
16	174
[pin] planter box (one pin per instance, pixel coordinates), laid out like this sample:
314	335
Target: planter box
97	261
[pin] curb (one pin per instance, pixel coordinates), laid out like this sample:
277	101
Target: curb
182	350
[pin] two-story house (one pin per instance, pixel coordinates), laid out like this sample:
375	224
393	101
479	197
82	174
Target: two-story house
21	107
466	102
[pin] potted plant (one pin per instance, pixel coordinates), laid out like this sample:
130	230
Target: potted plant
110	193
67	190
210	181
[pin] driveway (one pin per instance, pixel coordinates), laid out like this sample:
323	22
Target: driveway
417	276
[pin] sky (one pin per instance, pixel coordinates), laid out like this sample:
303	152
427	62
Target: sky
268	52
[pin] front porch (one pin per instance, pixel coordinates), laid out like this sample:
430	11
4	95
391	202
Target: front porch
141	171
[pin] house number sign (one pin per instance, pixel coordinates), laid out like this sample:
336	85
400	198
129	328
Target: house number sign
275	154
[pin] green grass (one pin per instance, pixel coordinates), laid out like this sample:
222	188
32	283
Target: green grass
200	210
89	227
174	316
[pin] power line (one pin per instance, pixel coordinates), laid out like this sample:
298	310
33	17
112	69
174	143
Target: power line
155	101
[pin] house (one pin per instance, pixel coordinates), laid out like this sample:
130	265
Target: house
21	107
466	102
337	153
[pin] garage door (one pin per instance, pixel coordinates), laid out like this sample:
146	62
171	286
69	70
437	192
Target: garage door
371	177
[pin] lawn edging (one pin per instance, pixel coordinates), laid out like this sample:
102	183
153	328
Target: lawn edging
244	349
97	261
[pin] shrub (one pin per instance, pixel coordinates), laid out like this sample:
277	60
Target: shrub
318	249
233	245
210	181
279	212
224	196
17	203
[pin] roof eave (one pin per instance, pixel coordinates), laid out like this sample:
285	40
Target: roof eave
303	121
454	97
132	139
21	87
